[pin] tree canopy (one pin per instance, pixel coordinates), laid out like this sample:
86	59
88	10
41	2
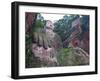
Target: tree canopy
63	26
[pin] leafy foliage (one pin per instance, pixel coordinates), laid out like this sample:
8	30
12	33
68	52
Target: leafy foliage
65	57
63	26
39	24
71	57
85	23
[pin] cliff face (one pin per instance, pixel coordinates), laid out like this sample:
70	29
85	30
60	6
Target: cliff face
55	55
73	57
44	47
30	19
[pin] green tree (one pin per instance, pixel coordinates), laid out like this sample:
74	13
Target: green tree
63	26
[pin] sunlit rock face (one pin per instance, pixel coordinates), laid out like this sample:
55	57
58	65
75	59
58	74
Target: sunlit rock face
81	55
46	44
53	37
46	56
49	25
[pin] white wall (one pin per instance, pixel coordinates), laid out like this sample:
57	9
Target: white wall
5	40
